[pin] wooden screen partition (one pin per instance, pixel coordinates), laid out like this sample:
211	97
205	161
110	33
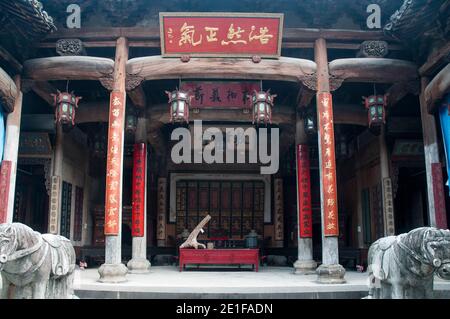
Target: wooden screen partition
236	207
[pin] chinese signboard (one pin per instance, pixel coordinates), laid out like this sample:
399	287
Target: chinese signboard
328	168
139	181
221	34
304	191
33	144
5	176
221	94
114	163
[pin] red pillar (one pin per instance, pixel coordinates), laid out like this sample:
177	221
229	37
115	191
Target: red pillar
138	205
304	191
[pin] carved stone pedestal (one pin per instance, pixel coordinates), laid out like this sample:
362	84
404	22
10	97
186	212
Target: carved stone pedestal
330	274
305	267
138	266
112	273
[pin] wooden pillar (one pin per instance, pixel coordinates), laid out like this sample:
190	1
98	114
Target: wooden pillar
113	270
8	171
435	190
386	187
305	263
330	271
139	262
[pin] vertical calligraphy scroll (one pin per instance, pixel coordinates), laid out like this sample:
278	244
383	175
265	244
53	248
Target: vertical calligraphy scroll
162	207
54	204
304	192
114	163
279	210
5	176
139	184
328	164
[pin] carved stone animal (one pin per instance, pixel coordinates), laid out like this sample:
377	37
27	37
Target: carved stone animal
403	266
191	241
35	266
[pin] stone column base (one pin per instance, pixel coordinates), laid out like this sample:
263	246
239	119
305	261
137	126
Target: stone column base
112	273
138	266
305	267
330	274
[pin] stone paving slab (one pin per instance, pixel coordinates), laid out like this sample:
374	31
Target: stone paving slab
269	282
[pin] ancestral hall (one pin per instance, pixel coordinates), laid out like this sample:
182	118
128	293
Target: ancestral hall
93	92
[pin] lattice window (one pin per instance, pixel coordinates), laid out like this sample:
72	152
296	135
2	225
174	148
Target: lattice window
66	207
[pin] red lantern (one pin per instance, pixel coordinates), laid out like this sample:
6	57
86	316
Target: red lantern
65	105
262	107
376	107
179	103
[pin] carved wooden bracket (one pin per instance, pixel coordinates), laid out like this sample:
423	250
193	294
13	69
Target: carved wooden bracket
67	47
310	81
107	82
133	81
373	49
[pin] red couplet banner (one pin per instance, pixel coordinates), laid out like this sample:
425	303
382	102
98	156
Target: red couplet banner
5	176
114	163
138	189
304	191
221	94
328	175
221	34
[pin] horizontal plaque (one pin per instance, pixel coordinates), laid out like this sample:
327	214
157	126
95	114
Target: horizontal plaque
220	94
221	34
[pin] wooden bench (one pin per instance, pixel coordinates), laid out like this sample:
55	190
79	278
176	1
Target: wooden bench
219	257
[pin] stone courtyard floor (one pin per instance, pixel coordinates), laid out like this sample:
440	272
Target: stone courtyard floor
228	283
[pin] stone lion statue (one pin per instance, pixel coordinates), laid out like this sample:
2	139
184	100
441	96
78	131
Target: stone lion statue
35	266
403	266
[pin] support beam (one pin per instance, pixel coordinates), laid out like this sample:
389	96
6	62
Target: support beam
399	90
305	264
44	90
137	96
378	70
68	68
437	88
431	159
8	91
11	151
330	271
436	61
113	271
282	69
5	55
55	198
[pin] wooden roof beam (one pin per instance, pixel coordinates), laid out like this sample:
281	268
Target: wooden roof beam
435	61
437	88
68	68
8	91
282	69
373	70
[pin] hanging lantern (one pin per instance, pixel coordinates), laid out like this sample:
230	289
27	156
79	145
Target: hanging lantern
131	120
179	103
309	121
262	107
65	105
376	107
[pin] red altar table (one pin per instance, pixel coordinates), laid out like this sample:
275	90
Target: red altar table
219	257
